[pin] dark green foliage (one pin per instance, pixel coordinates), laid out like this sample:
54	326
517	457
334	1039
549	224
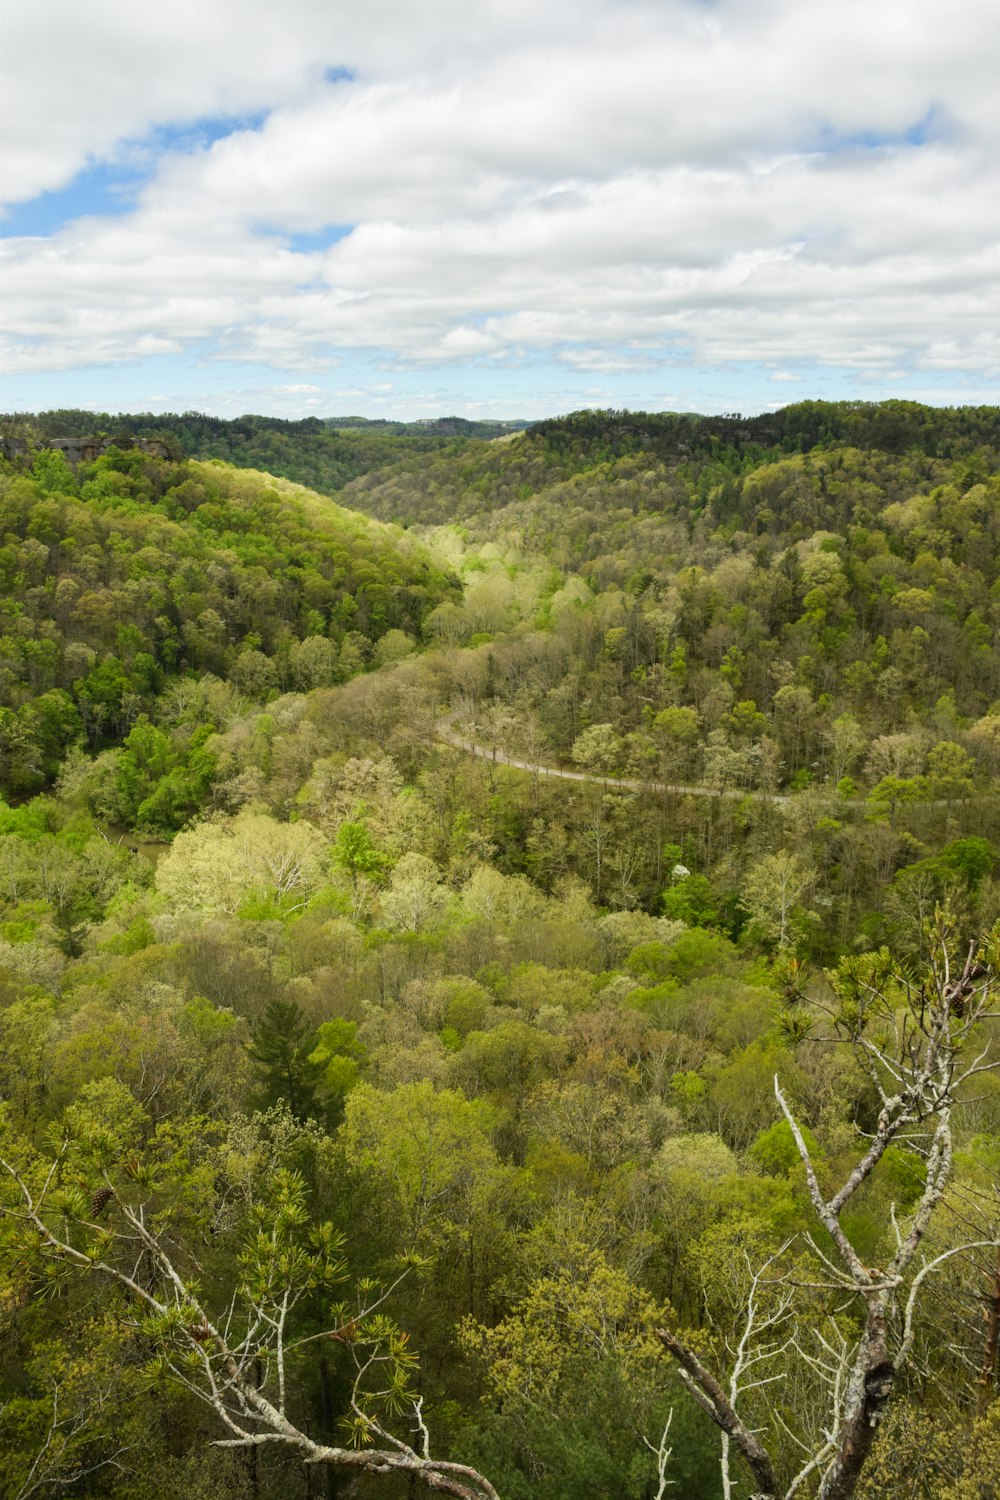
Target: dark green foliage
280	1049
323	454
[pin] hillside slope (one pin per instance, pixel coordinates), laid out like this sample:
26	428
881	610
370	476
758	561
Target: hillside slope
133	572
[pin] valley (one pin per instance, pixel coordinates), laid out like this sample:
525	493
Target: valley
558	1025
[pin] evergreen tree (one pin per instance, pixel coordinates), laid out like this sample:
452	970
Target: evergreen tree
280	1051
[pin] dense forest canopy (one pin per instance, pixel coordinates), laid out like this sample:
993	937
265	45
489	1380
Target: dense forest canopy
321	453
135	572
496	975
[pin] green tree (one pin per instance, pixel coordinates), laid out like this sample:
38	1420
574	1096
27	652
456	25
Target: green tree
599	750
950	773
340	1057
919	1040
287	1064
573	1386
355	852
231	1340
891	792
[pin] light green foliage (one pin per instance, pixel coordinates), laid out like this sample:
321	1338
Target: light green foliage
948	1458
466	1004
588	1311
502	899
600	750
314	662
58	875
431	1150
571	1378
691	899
506	1060
341	1057
53	473
599	1121
950	772
677	725
394	646
216	866
775	1152
706	1154
650	960
697	952
355	852
533	986
890	792
384	994
416	897
741	1093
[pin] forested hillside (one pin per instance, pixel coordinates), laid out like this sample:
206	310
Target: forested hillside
137	574
324	454
381	1117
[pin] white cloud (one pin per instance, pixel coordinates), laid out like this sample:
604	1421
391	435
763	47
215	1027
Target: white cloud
614	185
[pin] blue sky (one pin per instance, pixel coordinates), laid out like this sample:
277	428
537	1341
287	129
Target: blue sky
111	187
504	210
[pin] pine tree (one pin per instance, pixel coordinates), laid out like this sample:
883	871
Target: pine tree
280	1049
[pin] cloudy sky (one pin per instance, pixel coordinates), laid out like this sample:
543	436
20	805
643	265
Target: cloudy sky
498	207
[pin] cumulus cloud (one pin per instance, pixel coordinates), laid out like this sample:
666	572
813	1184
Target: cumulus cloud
612	186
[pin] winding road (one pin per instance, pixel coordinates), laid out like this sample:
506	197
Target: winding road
444	728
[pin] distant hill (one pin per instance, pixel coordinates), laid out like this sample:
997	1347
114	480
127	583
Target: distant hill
622	463
324	454
132	572
328	453
890	426
847	553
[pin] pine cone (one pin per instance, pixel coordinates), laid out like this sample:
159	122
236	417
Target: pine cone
100	1201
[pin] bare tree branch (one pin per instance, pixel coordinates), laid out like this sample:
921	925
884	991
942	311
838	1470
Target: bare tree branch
222	1378
713	1399
920	1055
